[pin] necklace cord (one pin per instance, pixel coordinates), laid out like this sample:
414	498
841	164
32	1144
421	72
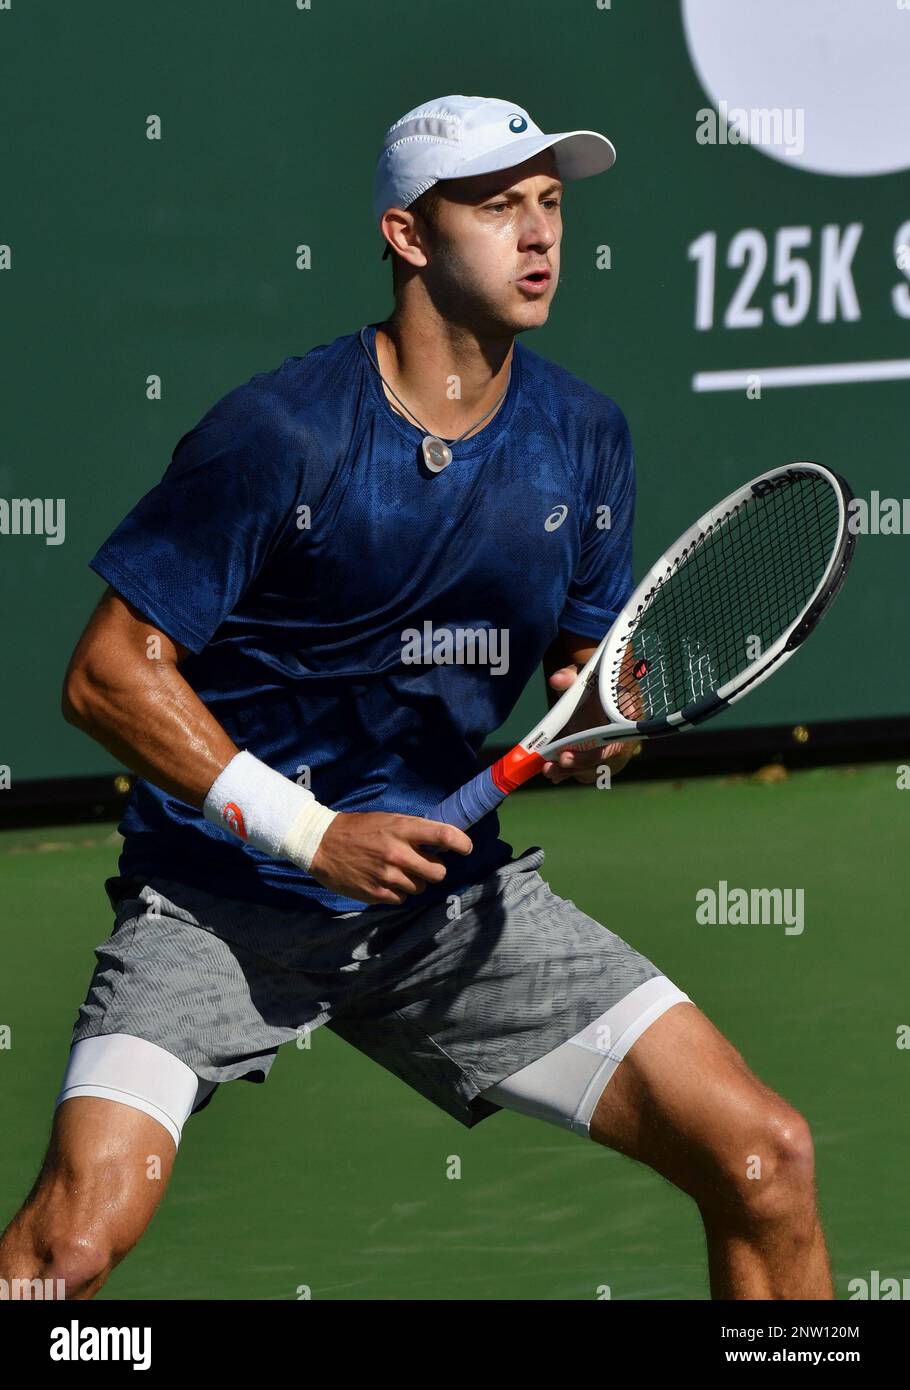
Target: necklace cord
492	411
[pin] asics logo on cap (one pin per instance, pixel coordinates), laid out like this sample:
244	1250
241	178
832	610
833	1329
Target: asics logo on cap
518	124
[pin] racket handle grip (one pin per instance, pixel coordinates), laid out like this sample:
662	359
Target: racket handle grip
471	802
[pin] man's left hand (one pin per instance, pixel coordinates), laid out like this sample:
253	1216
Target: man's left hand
580	763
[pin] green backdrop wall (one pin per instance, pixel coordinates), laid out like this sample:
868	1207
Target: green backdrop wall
130	257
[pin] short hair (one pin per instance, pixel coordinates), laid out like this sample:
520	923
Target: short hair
426	208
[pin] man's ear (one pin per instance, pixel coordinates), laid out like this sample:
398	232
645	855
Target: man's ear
403	228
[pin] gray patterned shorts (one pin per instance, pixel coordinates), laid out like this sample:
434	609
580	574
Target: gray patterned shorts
452	997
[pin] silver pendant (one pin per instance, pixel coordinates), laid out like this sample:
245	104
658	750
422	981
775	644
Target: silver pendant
436	454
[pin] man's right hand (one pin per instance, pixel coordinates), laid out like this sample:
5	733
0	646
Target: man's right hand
379	857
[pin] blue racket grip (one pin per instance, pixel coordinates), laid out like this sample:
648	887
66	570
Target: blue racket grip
472	801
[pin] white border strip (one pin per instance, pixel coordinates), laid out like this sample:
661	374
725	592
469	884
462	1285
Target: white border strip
821	374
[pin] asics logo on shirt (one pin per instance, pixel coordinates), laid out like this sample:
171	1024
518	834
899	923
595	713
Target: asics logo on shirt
556	517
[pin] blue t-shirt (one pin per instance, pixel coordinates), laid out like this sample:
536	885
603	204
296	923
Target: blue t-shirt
327	586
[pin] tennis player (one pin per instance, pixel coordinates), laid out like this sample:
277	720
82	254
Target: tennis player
349	572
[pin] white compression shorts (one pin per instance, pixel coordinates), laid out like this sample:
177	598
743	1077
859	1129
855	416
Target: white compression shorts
117	1066
562	1087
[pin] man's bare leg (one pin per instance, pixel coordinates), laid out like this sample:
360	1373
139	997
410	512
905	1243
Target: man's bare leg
684	1102
106	1169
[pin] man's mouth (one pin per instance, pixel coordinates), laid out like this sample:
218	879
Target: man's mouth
535	282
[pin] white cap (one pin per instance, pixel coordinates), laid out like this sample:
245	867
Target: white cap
456	137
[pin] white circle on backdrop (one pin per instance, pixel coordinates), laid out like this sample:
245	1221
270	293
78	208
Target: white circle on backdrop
845	63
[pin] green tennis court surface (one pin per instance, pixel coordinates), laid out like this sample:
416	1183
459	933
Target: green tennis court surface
333	1175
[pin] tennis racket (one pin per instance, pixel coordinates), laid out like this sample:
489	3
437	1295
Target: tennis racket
721	610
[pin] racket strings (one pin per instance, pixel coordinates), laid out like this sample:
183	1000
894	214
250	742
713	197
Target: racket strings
792	569
754	576
728	597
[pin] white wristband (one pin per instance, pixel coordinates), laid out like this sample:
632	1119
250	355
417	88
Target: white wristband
268	810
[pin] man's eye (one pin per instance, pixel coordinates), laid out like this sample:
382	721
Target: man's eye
496	207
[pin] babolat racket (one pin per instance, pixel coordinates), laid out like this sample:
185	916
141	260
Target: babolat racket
725	606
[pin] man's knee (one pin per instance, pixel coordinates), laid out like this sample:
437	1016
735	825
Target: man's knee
55	1242
74	1253
767	1167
